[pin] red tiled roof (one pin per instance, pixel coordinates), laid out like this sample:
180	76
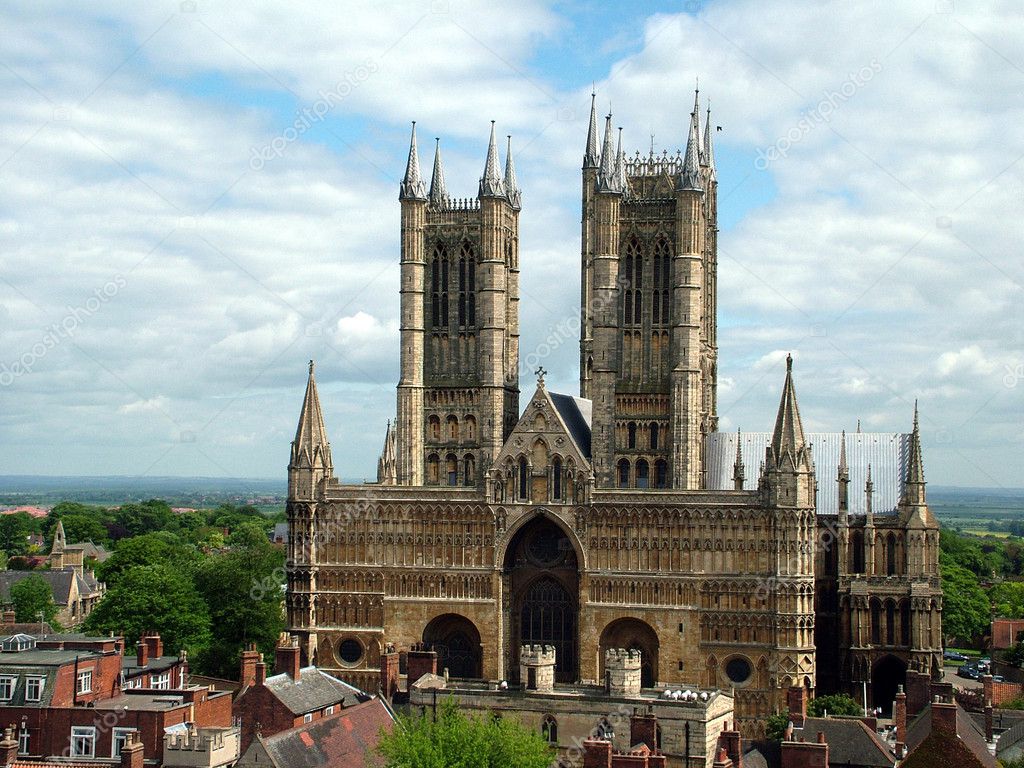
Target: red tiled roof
346	738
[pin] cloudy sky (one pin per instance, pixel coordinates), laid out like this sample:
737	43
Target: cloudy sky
173	250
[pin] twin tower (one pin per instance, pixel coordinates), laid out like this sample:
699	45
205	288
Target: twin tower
648	349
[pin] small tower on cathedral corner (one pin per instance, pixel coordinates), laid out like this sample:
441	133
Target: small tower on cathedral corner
789	469
311	464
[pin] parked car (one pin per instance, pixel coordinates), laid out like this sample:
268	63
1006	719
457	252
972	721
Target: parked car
954	656
968	672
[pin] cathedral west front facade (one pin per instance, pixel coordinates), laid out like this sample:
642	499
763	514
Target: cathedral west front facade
618	518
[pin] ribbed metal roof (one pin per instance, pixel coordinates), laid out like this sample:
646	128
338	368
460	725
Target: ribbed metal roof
886	452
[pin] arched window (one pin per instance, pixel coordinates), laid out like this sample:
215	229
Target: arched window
659	298
468	470
451	463
890	555
556	472
876	623
623	473
631	435
452	428
627	294
642	474
470	423
523	471
857	545
549	729
467	285
439	288
462	289
654	437
661	474
905	623
434	428
433	469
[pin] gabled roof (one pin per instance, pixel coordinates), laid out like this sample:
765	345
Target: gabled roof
576	413
348	738
312	691
60	581
929	748
850	741
567	430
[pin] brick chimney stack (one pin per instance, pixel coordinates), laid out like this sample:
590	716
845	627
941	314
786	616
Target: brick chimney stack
287	659
132	754
643	729
732	742
989	725
142	653
250	658
389	672
8	747
944	717
899	715
261	673
155	644
796	697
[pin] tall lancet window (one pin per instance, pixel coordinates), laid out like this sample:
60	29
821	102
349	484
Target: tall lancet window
438	288
660	292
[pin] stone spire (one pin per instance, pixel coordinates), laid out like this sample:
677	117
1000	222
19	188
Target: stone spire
696	117
590	157
310	449
709	149
491	184
690	177
413	186
387	464
438	191
737	467
788	437
607	177
515	195
60	540
913	487
620	165
869	493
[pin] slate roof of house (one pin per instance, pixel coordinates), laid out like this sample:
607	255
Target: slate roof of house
60	582
850	741
887	453
130	665
576	413
347	738
312	691
930	749
97	552
1010	738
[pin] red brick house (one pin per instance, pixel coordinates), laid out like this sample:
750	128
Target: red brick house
63	696
348	737
293	696
1006	632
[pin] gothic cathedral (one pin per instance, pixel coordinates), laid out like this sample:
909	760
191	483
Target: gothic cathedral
621	518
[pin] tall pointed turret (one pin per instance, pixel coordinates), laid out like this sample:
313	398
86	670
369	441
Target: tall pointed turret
788	465
311	452
413	187
738	475
590	156
913	486
607	176
491	184
869	495
438	191
696	116
843	479
515	197
387	464
690	178
60	540
709	149
788	437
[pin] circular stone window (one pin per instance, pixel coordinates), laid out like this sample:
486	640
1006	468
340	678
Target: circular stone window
547	546
350	650
738	670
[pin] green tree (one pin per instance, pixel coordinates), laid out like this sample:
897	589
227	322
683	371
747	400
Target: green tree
775	726
838	704
147	517
243	588
154	597
457	741
1007	599
14	530
965	608
160	548
31	597
79	528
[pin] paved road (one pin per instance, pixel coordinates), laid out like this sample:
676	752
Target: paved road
961	683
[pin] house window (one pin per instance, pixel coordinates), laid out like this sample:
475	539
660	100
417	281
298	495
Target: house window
308	717
117	742
34	688
23	741
7	687
161	682
85	681
83	741
329	710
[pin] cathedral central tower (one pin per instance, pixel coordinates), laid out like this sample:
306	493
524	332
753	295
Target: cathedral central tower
458	396
648	348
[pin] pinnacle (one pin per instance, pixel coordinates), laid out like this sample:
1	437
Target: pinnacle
413	187
438	191
491	184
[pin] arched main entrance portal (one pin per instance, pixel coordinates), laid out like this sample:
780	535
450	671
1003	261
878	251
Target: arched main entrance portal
457	642
636	635
541	578
888	674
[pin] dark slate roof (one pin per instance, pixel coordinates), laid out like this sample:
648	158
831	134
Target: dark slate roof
754	759
312	691
928	749
1010	738
60	582
347	738
850	741
576	413
130	666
